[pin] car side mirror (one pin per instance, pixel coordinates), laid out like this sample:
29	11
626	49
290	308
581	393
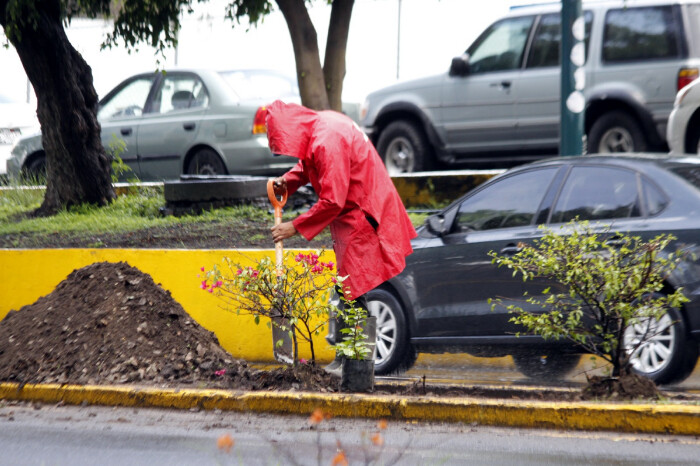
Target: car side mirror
460	65
436	225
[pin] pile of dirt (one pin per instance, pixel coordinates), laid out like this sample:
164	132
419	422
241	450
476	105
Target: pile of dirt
109	323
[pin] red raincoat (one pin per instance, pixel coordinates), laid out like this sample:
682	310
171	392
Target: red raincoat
369	225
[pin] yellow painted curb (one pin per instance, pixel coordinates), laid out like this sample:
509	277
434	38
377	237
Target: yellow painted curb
642	418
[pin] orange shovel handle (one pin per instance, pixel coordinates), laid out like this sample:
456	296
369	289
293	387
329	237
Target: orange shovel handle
277	204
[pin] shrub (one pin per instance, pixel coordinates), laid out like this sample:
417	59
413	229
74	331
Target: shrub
610	281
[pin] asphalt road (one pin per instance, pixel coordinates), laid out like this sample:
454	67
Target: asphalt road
74	435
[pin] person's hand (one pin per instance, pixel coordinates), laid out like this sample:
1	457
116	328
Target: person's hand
280	186
283	231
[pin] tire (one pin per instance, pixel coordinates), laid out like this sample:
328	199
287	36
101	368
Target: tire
394	352
206	162
404	149
693	146
616	132
545	366
35	170
669	354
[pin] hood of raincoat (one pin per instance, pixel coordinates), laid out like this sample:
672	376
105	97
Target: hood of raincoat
289	128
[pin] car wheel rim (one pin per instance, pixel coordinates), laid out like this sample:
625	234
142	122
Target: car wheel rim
399	156
616	140
386	330
650	343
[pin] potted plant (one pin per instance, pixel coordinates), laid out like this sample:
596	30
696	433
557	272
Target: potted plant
356	346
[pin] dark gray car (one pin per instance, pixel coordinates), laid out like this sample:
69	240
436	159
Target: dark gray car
440	303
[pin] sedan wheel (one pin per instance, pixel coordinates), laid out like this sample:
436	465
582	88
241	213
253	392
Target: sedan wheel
206	162
394	352
660	349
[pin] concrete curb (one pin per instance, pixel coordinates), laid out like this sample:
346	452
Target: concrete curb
639	418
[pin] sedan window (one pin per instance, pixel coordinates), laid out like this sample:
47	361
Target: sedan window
180	92
597	193
129	101
509	202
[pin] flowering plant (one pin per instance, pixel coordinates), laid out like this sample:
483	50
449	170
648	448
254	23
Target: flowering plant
295	296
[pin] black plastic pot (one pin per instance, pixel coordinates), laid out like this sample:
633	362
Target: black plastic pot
357	375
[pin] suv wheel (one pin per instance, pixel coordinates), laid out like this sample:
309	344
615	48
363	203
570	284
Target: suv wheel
616	132
404	148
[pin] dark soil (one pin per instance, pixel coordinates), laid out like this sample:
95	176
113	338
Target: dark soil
109	323
235	234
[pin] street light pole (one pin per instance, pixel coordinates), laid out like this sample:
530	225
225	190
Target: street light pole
573	77
398	42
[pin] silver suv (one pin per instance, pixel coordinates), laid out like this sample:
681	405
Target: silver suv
500	99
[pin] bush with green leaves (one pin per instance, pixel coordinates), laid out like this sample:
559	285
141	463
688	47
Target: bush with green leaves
355	341
606	281
295	296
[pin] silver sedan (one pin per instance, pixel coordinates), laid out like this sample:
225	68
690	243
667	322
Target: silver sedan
163	125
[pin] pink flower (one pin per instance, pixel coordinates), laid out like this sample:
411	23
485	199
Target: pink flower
211	290
303	361
299	257
330	265
334	280
239	271
202	269
218	284
204	285
220	372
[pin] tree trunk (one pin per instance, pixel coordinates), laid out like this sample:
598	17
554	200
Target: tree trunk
336	45
78	169
306	54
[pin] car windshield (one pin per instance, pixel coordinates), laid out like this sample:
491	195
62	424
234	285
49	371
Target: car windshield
260	84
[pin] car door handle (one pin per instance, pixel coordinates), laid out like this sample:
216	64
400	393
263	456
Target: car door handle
188	126
126	131
615	241
504	85
511	249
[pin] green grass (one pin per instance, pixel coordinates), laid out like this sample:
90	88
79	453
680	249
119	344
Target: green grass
136	211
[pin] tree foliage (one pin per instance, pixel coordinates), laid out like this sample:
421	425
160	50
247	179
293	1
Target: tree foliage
608	285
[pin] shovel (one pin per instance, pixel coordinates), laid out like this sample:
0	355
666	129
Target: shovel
281	353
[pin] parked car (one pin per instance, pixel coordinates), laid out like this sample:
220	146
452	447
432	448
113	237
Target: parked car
500	100
17	118
683	132
440	302
184	122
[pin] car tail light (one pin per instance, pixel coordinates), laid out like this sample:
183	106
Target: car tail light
259	121
686	76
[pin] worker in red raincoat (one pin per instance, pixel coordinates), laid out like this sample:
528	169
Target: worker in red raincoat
369	225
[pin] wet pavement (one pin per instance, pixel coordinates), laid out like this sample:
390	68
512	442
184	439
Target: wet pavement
464	369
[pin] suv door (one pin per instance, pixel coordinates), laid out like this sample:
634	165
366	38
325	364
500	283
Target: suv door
478	109
458	279
538	88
